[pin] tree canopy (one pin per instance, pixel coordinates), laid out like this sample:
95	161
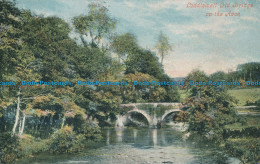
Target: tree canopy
163	45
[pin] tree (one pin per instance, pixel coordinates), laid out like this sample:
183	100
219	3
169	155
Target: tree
43	55
89	63
163	46
26	70
218	76
97	24
124	45
196	76
210	109
48	40
144	61
10	43
249	71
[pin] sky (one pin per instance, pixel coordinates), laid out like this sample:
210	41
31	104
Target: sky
208	43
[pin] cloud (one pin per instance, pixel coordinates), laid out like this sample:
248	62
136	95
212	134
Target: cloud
160	5
217	27
250	18
180	65
164	4
130	4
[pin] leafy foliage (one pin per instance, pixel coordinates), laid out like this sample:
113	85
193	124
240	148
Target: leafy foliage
97	24
63	140
210	108
163	46
8	147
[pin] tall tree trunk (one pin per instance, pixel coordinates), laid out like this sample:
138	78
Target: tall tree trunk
83	40
92	38
63	121
23	123
162	58
20	125
17	114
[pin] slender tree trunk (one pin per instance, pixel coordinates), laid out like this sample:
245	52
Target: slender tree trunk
36	129
63	121
92	38
20	125
17	114
22	129
83	40
162	59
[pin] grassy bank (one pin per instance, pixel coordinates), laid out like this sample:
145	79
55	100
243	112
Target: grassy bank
245	147
245	95
242	95
246	121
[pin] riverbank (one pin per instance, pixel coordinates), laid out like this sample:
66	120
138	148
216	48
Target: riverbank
145	141
139	145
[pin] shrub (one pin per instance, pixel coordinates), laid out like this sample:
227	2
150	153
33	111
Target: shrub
248	149
8	148
66	140
29	145
91	132
250	102
63	140
257	103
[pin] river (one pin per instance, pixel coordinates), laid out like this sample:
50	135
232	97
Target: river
141	145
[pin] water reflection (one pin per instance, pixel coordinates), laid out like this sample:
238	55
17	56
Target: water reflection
119	134
135	134
108	137
123	145
143	137
154	136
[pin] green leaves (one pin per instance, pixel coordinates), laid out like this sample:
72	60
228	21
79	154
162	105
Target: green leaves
163	45
97	24
124	44
210	108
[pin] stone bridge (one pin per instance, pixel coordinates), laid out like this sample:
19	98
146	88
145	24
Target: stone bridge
154	120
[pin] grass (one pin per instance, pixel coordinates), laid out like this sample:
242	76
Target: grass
30	146
251	121
184	94
243	95
254	110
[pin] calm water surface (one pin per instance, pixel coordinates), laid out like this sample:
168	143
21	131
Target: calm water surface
144	146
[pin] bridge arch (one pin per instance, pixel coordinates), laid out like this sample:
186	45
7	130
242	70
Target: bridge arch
153	120
168	112
147	116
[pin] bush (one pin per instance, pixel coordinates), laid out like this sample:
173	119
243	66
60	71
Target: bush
63	140
66	140
91	132
242	120
246	132
8	148
247	149
257	103
30	145
250	102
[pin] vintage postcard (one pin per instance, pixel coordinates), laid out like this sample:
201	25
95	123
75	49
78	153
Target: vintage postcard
130	81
